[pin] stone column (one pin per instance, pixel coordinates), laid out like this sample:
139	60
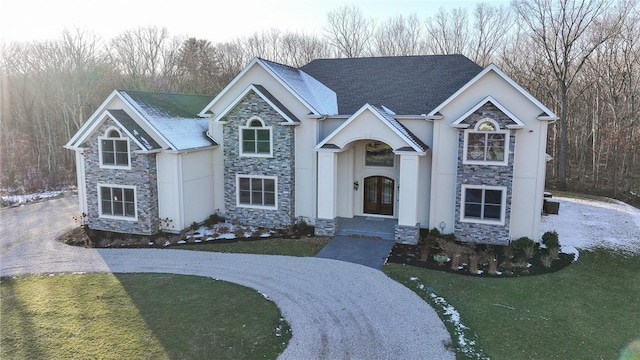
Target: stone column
408	229
327	192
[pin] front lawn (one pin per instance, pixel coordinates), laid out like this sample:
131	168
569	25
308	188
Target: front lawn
136	316
589	310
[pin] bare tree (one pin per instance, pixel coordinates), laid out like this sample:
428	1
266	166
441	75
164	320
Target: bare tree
448	32
567	32
349	31
491	24
400	36
143	56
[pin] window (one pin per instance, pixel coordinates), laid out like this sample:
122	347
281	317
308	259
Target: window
256	191
486	144
114	150
117	201
378	153
483	204
255	138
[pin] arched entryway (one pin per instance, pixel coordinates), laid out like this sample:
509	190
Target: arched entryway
378	195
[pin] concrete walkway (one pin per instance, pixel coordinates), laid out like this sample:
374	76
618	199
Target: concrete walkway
371	252
337	310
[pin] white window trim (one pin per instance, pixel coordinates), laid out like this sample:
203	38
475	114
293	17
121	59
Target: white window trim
113	217
264	127
275	189
507	133
121	138
503	205
364	157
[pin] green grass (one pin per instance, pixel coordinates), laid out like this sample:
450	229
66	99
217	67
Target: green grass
306	246
589	310
135	316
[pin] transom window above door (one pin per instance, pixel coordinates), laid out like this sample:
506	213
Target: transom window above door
486	144
114	150
378	154
255	138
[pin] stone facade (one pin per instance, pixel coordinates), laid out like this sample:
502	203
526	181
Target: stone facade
280	165
142	175
407	234
326	227
490	175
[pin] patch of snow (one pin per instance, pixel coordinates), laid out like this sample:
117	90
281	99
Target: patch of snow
27	198
589	224
227	236
453	316
413	278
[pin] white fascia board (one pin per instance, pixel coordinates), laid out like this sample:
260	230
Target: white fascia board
89	124
163	139
105	114
379	116
244	93
98	118
202	113
255	60
496	69
490	99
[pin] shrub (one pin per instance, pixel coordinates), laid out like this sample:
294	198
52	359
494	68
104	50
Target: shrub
524	247
550	239
194	226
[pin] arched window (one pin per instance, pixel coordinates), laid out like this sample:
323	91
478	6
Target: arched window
255	138
378	153
114	149
486	143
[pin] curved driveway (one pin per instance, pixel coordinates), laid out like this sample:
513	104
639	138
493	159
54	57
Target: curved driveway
337	310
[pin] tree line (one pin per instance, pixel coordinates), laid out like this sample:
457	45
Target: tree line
580	57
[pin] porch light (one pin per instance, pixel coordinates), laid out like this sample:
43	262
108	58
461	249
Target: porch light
442	225
356	185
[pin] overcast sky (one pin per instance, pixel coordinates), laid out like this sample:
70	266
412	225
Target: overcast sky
26	20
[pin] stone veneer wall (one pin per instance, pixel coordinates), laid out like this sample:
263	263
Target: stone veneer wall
407	234
280	165
494	175
142	175
326	227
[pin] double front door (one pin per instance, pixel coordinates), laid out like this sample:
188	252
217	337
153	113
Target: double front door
378	195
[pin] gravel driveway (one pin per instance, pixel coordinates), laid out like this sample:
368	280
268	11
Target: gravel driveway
337	310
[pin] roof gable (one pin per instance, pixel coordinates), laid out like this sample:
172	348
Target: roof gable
409	141
267	97
174	117
133	130
315	96
510	121
548	114
410	85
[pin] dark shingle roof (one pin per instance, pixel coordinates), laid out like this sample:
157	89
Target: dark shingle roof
277	103
402	129
409	85
138	132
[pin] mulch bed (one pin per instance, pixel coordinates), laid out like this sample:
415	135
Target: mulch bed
411	255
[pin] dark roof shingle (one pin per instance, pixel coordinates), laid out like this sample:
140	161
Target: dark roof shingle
408	85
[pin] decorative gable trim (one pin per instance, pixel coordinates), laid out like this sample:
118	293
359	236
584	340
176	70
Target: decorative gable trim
260	62
97	119
460	122
267	97
405	135
515	85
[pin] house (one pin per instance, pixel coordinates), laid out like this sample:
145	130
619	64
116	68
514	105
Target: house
429	141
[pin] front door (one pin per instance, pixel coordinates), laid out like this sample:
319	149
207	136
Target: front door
378	195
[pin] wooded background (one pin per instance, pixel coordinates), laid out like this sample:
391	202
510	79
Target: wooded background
579	57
